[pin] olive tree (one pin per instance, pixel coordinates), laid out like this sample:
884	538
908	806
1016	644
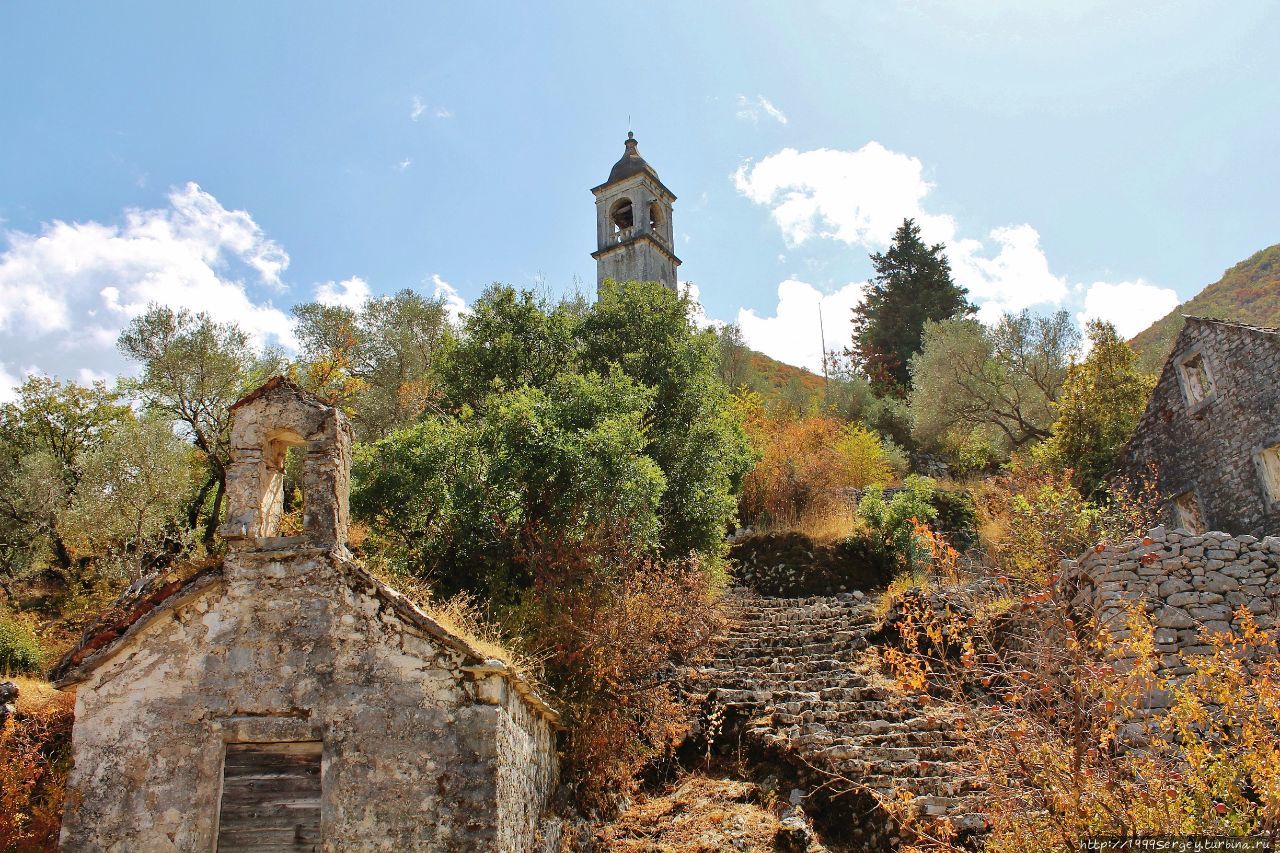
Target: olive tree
998	382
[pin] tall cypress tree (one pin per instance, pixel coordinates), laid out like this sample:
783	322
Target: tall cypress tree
912	286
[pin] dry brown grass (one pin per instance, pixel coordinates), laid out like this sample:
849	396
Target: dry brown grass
697	814
35	694
823	524
463	616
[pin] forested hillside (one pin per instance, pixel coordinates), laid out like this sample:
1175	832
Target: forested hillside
1249	292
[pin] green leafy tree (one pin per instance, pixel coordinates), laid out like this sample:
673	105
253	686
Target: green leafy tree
510	338
45	434
376	361
912	286
193	369
996	385
1102	398
461	500
132	494
694	436
736	370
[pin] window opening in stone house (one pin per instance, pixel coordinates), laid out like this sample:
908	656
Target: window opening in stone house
1187	512
655	217
1269	463
1196	378
622	215
270	797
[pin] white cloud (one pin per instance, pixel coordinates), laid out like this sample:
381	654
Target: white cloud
856	197
9	383
86	376
1130	306
753	109
454	305
418	108
697	313
793	334
1017	277
861	197
349	293
66	292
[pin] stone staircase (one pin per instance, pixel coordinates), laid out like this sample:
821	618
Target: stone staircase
793	677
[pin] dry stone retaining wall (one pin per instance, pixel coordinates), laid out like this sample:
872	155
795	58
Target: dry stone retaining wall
1189	584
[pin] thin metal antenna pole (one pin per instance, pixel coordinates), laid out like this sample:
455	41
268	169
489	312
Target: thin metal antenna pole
822	336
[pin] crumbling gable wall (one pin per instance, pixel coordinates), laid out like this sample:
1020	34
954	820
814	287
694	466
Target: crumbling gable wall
423	744
1212	417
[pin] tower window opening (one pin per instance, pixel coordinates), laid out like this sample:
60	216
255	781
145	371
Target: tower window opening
622	215
293	509
655	217
284	485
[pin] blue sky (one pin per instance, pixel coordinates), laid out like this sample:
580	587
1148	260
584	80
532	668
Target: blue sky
1106	158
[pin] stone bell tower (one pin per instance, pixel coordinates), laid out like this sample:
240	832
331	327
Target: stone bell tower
634	236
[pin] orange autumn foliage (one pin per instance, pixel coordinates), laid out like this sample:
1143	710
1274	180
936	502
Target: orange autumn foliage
805	463
35	755
1069	744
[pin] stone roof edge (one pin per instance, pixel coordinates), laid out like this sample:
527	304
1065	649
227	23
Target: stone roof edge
1233	323
272	384
73	668
418	617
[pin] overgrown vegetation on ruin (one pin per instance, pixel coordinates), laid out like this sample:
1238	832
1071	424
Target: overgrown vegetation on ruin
555	480
1057	714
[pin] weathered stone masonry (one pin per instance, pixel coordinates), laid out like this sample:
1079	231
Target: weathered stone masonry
1188	584
289	647
1212	428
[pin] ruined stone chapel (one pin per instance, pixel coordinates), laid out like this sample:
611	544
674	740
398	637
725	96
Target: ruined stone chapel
283	698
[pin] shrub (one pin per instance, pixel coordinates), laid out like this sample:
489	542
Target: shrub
1066	745
35	756
894	519
807	465
615	626
957	516
1032	517
20	650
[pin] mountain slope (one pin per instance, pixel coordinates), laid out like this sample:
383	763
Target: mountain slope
781	376
1249	292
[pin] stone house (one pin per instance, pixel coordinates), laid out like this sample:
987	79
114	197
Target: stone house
1212	428
285	699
